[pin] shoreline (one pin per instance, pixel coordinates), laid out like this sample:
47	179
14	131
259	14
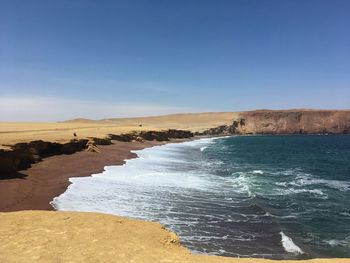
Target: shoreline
49	178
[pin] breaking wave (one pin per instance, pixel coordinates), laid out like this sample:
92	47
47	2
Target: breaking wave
228	196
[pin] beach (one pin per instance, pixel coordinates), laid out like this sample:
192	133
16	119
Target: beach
175	131
233	195
34	188
47	179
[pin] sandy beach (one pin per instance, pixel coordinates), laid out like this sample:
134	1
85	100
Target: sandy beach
50	178
42	236
175	131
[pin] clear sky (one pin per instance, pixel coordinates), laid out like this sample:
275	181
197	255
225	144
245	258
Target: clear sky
95	59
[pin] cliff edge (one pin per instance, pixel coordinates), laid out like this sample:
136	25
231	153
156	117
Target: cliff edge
42	236
296	121
285	122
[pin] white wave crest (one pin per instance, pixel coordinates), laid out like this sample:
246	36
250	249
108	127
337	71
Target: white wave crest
203	148
335	184
336	242
289	245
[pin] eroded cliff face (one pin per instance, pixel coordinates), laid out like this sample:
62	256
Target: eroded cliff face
286	122
291	122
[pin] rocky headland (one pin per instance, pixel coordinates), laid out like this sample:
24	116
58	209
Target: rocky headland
285	122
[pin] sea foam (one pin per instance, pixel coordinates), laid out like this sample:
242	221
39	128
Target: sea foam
212	194
289	245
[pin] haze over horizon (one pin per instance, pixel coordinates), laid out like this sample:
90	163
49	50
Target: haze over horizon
102	59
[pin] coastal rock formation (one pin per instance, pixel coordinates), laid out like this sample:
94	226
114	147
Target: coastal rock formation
296	122
124	137
160	136
22	155
236	127
165	135
285	122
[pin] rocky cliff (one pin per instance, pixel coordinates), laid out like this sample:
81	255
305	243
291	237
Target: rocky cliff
286	122
305	121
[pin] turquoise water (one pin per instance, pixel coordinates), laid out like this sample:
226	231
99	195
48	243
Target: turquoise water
301	182
261	196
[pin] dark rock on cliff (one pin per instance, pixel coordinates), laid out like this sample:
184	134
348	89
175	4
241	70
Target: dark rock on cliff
128	137
101	141
179	134
152	135
23	155
234	128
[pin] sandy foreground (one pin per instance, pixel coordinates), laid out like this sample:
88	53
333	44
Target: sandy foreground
42	236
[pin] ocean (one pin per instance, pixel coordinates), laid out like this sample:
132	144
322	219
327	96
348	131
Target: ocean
280	197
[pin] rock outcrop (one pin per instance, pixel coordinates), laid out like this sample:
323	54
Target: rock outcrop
297	121
152	135
286	122
23	155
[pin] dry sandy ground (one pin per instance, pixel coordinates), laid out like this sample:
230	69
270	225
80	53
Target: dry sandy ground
42	236
14	132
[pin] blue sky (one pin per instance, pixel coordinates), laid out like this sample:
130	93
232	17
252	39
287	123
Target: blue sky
95	59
